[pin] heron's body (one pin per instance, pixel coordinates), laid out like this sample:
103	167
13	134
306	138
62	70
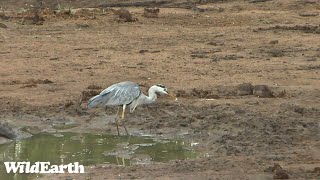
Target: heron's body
125	94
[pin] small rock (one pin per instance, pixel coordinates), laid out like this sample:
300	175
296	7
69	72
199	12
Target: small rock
245	89
6	131
262	91
53	58
280	174
151	12
34	19
143	51
282	94
124	15
274	42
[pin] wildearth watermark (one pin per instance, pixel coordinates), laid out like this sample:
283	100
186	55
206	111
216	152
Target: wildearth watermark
42	167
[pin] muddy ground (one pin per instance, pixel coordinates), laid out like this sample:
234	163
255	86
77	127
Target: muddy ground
202	54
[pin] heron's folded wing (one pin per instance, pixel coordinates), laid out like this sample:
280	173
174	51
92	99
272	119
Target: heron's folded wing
121	93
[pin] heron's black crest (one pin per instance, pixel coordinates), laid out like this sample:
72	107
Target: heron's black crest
160	85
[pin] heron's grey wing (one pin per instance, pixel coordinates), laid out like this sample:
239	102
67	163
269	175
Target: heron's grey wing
121	93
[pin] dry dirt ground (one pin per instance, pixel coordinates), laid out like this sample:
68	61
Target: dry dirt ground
202	57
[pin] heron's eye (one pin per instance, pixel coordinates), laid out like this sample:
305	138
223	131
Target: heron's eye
162	86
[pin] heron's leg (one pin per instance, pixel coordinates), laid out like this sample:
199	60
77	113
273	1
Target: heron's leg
116	119
123	163
117	160
124	109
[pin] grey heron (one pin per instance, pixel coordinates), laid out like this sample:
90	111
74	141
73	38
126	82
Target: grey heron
126	94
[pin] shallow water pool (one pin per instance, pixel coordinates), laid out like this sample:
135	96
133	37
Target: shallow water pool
90	149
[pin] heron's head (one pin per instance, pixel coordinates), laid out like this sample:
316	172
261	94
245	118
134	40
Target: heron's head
161	89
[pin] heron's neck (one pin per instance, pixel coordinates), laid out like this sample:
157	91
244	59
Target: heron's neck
152	96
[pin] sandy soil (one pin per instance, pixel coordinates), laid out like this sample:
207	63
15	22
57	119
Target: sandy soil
202	57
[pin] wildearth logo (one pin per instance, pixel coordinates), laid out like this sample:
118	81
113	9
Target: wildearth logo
42	167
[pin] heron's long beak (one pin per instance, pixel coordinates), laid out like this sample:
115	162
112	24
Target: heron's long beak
172	96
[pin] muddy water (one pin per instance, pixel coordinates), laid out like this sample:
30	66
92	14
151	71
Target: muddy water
89	149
